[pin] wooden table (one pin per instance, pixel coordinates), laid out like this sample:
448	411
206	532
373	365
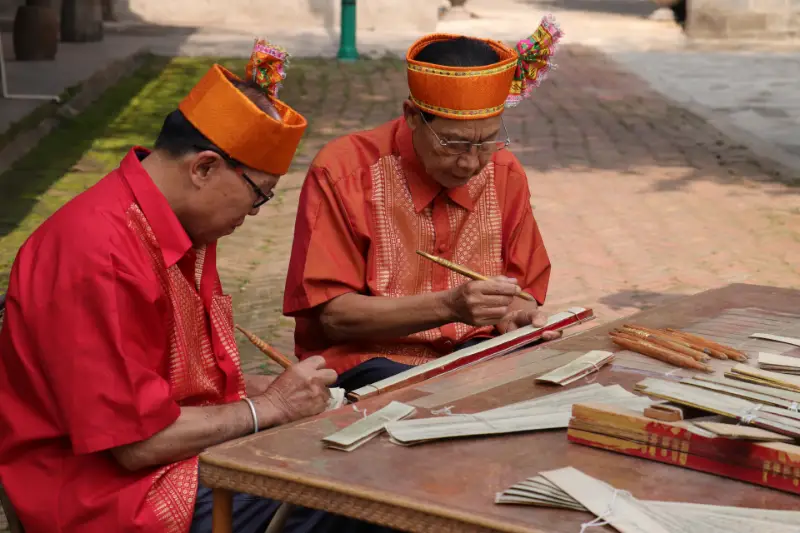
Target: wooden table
450	486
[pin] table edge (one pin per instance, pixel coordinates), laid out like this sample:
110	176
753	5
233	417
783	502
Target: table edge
372	506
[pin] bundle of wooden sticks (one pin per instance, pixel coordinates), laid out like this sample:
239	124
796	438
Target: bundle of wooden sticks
673	346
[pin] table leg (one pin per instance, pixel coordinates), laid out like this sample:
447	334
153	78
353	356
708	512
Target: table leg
222	512
278	521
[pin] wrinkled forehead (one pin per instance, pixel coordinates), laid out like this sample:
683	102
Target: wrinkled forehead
467	129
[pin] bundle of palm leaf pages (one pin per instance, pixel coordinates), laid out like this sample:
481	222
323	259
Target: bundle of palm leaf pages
743	425
572	489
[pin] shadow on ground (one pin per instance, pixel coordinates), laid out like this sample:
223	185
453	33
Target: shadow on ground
636	8
639	299
30	181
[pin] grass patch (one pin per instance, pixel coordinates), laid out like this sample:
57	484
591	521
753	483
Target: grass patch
81	150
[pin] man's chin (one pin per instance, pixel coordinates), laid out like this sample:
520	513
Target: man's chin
451	182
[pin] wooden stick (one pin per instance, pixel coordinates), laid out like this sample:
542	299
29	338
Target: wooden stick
632	343
674	337
278	521
729	352
736	355
467	272
222	511
666	343
266	349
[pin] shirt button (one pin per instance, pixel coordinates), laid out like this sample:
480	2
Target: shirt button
448	344
442	248
221	357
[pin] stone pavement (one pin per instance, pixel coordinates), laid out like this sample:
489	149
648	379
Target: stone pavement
751	90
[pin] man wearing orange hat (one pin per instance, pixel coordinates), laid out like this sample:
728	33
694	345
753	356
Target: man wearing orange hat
119	363
439	179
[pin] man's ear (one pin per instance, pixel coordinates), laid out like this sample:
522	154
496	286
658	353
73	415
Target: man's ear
202	167
411	114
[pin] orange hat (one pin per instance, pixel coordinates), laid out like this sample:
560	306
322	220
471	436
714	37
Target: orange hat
466	93
230	120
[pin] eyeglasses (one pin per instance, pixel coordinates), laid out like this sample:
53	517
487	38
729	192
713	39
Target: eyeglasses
261	196
463	147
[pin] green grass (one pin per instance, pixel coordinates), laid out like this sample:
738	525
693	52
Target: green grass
81	150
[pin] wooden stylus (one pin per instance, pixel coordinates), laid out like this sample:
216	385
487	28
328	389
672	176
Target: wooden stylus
467	272
266	349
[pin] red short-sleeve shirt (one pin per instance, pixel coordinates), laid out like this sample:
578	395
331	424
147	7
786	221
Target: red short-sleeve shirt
113	322
367	205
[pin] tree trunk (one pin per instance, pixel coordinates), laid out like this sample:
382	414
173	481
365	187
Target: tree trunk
81	21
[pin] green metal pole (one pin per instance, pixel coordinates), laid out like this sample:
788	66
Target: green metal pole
347	40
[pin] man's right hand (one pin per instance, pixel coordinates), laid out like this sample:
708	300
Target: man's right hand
482	303
299	392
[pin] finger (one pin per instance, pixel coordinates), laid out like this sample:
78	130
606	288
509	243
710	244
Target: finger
490	316
498	288
326	376
315	362
551	335
510	326
504	279
489	301
538	319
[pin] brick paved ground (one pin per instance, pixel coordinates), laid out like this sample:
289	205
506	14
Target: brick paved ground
638	201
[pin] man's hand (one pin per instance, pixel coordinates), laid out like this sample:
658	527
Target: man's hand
482	303
257	384
299	392
525	317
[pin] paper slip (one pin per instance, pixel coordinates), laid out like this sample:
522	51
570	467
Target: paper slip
356	434
582	366
776	338
778	363
337	398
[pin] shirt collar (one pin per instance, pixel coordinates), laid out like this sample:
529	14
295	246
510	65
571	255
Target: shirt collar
424	188
169	233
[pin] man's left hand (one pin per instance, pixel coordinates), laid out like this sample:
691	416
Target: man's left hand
526	317
257	384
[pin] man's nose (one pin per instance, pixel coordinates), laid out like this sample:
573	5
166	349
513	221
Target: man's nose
470	160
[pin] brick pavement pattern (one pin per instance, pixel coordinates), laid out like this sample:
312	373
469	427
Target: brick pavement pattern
638	200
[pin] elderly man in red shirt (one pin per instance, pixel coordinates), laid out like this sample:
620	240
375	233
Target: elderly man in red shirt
439	179
119	363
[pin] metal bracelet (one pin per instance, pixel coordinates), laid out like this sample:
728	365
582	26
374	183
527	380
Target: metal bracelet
253	412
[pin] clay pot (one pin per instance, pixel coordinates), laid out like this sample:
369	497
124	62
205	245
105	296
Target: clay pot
81	21
36	33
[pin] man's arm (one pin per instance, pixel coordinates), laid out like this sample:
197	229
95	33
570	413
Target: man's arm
352	316
299	392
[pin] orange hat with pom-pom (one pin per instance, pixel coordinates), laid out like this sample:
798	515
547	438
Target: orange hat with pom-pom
230	120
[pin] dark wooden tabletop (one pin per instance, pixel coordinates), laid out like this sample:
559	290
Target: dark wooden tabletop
451	485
